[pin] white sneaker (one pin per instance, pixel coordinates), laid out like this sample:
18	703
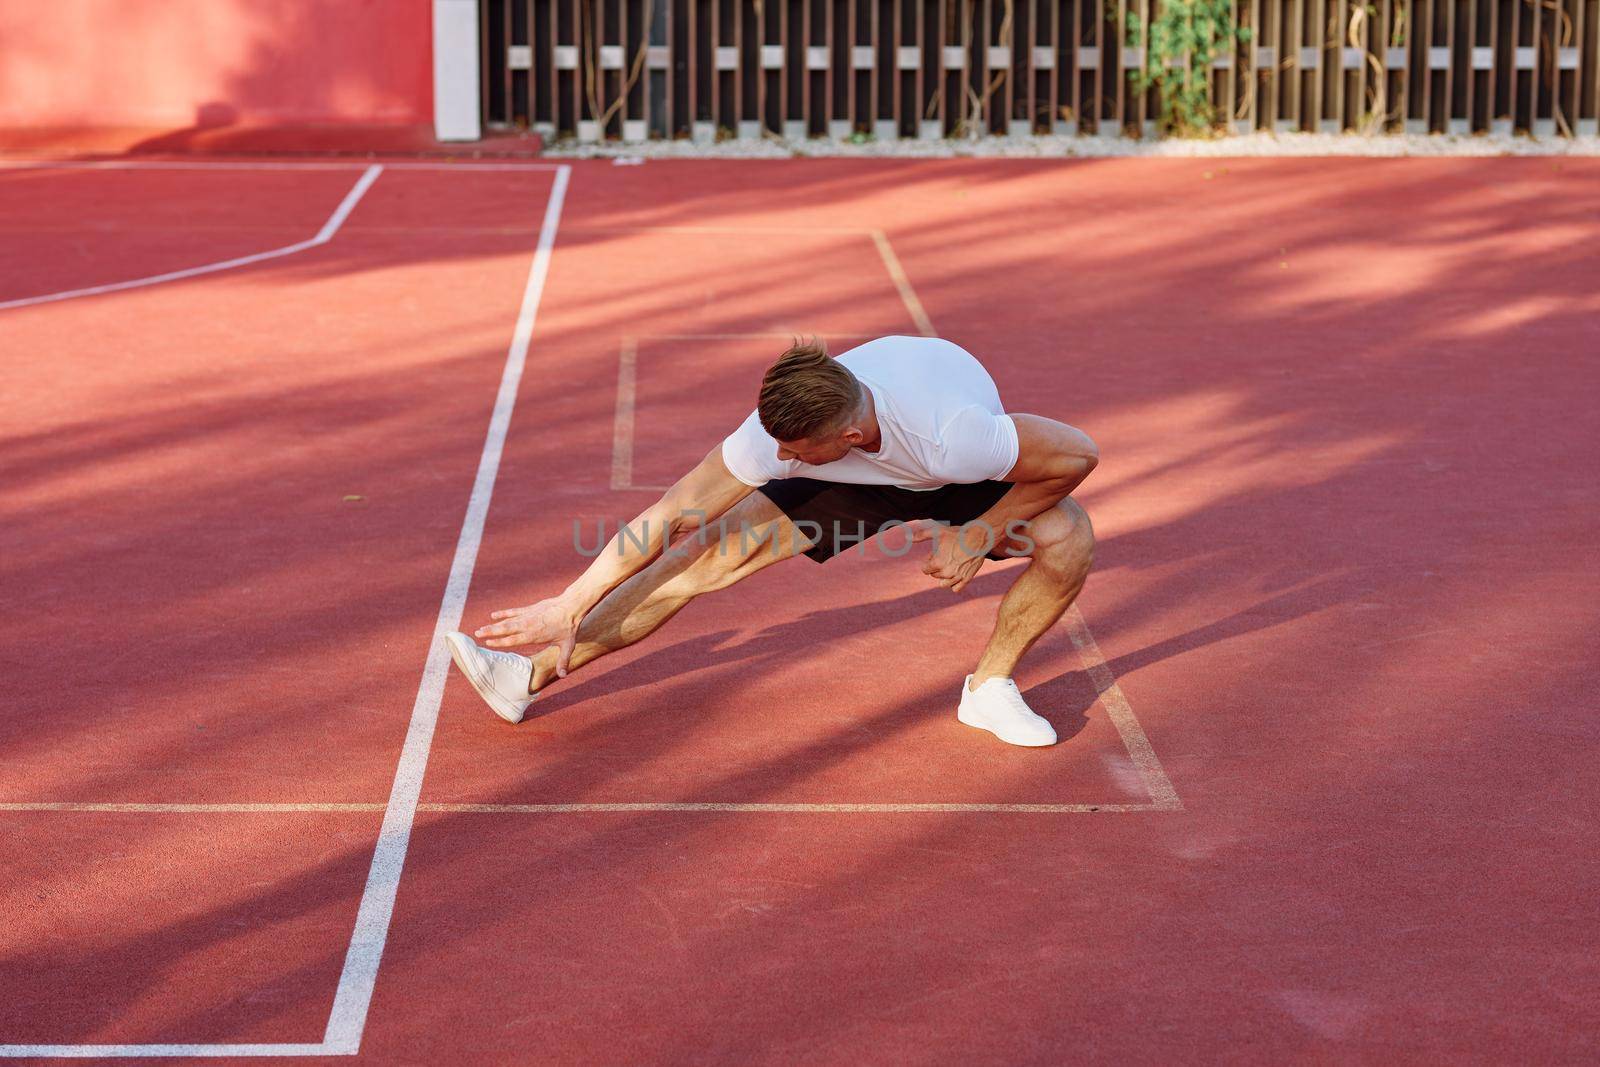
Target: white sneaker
997	706
501	678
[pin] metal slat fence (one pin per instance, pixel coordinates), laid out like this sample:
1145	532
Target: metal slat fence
714	69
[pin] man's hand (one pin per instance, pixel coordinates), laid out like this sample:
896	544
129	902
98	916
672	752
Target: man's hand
549	622
954	560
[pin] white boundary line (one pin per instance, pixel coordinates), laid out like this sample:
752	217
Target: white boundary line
163	808
557	808
749	336
82	1052
324	235
622	421
844	231
353	996
897	274
1163	797
200	164
802	808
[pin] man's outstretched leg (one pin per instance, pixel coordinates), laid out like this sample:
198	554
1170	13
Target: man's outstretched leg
1062	555
752	535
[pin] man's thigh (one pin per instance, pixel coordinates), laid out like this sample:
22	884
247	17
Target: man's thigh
751	535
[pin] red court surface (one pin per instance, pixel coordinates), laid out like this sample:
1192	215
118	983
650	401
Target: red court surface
1326	784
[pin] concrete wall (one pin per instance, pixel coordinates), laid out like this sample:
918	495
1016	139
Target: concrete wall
187	64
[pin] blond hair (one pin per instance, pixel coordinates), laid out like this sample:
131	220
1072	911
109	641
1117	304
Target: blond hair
806	393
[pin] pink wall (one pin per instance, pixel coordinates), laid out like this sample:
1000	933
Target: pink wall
175	64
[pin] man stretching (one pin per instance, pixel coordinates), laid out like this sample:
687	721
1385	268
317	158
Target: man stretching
899	431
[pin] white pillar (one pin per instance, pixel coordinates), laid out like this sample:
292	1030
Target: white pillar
455	71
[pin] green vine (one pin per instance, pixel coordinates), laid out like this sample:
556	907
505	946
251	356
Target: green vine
1185	36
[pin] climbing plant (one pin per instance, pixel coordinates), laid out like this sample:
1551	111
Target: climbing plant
1184	37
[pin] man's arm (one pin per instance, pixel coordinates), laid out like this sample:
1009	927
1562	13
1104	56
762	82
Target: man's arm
698	498
1053	459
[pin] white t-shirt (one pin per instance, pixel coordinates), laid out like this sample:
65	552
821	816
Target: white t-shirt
937	408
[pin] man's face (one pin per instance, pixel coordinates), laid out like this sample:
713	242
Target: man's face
816	451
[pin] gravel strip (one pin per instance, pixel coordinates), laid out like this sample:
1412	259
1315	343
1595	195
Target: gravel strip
1055	147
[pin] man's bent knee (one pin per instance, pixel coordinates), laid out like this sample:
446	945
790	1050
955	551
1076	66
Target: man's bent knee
1064	538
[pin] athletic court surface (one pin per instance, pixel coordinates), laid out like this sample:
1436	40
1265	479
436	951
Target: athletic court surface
1326	785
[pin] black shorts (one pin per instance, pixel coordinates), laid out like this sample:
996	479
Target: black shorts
845	515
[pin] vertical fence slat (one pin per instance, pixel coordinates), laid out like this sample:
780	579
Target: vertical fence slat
1569	75
1591	123
594	71
1247	78
851	111
1338	74
1228	107
763	78
974	76
794	68
1572	73
1361	110
1141	113
1119	34
1536	80
1421	41
907	79
1491	79
1289	61
1075	93
484	63
722	33
507	80
1007	42
1107	50
1449	80
617	84
1505	100
1469	71
1031	98
1589	69
1051	113
1317	48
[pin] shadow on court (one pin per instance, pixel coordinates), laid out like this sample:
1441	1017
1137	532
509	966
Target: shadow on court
1343	579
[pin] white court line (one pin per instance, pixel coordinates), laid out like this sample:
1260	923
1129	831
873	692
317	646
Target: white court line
160	808
622	421
897	273
324	235
758	335
353	996
82	1052
752	807
847	231
1162	795
175	164
557	807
